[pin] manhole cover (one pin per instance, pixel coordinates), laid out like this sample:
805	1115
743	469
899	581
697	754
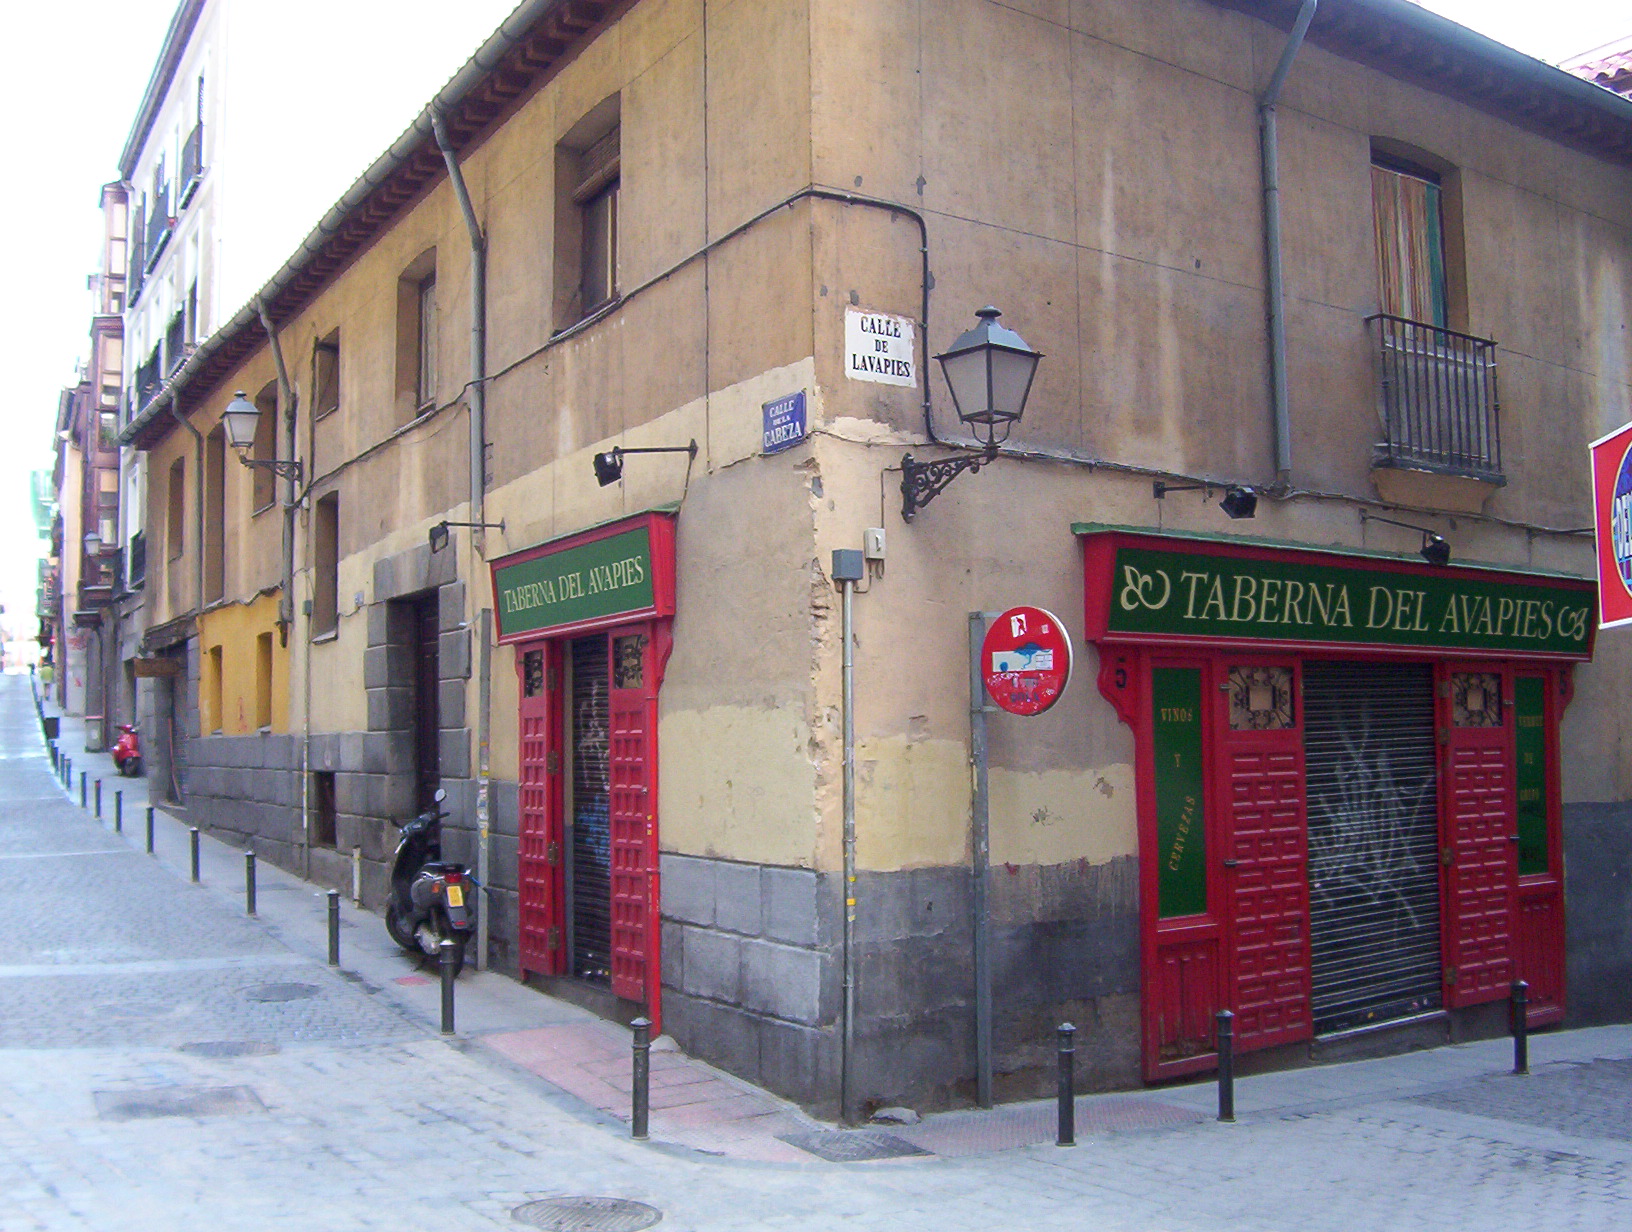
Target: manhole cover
176	1102
229	1048
587	1214
281	992
853	1146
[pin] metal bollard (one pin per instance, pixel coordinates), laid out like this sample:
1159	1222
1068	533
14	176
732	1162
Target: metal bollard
119	812
192	835
334	928
1519	1011
1067	1132
54	755
1226	1065
249	883
66	770
99	799
150	829
445	959
83	795
640	1093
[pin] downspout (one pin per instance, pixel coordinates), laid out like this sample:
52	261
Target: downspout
290	401
198	572
478	515
198	510
1269	151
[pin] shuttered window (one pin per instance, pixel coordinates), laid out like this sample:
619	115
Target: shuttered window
1373	842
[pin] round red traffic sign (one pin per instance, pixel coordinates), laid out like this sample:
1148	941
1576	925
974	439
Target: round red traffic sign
1025	659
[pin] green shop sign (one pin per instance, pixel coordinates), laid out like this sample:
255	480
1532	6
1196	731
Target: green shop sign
1207	595
602	578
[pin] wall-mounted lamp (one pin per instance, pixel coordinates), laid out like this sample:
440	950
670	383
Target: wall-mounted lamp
1435	550
609	465
989	371
439	532
239	421
93	544
1239	501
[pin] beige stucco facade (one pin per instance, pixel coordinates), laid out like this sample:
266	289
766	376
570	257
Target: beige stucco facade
1093	170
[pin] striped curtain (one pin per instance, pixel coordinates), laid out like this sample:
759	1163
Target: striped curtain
1410	246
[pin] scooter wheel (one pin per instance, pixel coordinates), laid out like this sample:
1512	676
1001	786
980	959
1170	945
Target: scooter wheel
133	767
400	932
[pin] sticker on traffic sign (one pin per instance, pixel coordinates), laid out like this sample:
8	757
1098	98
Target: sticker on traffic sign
1025	660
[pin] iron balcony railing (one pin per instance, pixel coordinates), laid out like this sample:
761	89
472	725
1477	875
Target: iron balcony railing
136	570
138	261
147	380
192	166
1437	399
174	346
158	226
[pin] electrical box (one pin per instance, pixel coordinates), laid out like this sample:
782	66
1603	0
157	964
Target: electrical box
872	543
847	565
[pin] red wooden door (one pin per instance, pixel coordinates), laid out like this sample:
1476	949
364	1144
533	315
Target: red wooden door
633	817
1478	848
1538	920
1265	844
539	805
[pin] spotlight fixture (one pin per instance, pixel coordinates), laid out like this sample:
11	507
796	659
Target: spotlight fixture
1239	501
1435	550
609	465
439	533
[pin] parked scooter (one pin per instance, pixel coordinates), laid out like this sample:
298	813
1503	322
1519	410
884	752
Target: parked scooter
431	901
127	751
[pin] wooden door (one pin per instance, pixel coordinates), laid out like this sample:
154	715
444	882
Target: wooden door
1538	921
633	814
1478	855
1265	850
538	873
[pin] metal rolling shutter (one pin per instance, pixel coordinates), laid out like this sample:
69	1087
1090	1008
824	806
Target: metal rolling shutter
1373	842
589	880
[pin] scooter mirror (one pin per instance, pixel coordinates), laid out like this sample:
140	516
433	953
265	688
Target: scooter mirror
440	795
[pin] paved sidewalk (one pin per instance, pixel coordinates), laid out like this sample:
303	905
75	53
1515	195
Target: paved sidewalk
164	1057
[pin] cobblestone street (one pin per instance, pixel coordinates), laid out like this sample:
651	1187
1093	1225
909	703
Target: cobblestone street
164	1058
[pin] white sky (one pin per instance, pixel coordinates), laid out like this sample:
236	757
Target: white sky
73	75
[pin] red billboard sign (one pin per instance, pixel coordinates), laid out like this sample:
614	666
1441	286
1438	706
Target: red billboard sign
1025	659
1612	524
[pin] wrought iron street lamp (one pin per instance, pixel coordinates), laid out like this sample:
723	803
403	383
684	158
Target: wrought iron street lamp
609	465
989	371
239	421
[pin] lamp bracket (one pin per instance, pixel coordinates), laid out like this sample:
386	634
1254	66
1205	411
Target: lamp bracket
283	468
922	482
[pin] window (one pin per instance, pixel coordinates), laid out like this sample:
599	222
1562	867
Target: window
1410	235
175	508
587	175
326	566
323	810
210	719
416	336
265	448
326	374
215	514
263	681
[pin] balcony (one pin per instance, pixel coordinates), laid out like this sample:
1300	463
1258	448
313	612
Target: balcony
136	565
175	349
147	380
138	261
159	226
1437	401
192	165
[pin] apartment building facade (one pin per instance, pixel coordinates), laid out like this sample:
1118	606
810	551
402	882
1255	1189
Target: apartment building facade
568	554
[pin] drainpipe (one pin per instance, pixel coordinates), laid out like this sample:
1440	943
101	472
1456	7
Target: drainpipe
198	511
290	400
478	515
1269	150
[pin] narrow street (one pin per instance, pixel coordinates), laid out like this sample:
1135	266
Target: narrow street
164	1057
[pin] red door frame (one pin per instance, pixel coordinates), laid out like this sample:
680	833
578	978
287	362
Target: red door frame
636	883
637	889
1177	955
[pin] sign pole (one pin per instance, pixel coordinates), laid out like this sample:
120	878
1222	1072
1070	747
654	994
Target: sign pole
980	810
